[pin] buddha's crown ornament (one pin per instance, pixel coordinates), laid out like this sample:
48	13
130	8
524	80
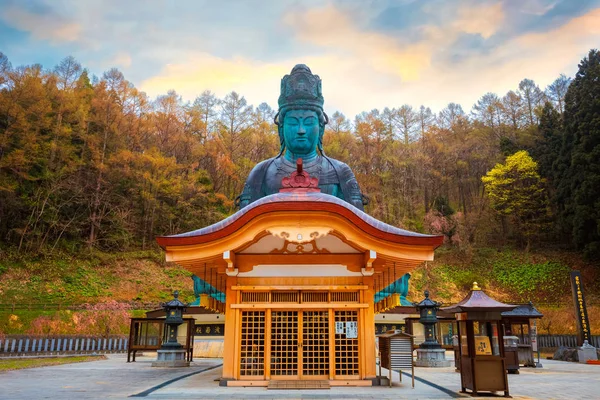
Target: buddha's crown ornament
301	89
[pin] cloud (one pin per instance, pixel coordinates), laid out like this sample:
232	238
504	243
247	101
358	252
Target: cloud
46	26
203	71
368	57
362	70
541	56
482	19
121	59
330	28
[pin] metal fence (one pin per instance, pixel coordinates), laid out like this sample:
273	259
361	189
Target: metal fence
24	345
547	341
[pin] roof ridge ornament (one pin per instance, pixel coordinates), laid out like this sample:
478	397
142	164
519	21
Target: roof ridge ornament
300	181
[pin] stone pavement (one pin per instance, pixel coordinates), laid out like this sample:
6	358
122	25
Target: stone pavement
114	378
102	379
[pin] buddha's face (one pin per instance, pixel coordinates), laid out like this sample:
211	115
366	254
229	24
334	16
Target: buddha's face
301	132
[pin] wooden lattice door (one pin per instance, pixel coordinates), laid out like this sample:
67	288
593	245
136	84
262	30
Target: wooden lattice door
300	344
252	346
315	344
284	344
346	344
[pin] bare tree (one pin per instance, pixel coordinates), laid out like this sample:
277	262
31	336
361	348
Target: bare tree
557	90
487	110
407	122
532	98
450	115
339	123
426	119
206	106
67	73
512	111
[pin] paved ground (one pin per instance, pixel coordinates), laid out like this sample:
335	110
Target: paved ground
111	378
114	378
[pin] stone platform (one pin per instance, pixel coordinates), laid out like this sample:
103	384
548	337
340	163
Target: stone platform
171	358
435	358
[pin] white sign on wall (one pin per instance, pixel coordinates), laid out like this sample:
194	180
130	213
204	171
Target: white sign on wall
339	328
351	330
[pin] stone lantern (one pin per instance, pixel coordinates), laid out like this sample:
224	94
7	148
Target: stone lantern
172	353
430	353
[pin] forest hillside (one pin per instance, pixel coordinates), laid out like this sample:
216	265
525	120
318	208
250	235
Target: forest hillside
92	170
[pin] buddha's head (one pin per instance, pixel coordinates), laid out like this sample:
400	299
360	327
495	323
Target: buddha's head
301	120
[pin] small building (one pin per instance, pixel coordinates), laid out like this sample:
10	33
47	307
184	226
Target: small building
296	274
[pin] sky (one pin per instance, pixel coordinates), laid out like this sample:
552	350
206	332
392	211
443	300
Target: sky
369	53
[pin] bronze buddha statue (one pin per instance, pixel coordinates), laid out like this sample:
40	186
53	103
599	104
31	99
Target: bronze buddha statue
301	124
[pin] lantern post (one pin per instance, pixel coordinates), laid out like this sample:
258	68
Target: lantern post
172	353
430	353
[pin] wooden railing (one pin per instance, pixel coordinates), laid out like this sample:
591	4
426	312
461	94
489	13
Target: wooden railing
26	345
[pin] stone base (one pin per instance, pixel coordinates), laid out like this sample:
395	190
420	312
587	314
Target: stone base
586	352
435	358
381	381
171	358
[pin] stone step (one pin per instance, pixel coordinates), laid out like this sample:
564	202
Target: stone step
298	385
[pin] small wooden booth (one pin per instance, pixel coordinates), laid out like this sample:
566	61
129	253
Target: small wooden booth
297	273
517	323
481	342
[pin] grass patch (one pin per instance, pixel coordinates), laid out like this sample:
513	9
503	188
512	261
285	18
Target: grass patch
22	363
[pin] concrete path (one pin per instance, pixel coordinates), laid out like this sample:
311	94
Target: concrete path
102	379
114	378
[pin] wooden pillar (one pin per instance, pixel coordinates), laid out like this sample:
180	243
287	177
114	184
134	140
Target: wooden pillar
229	345
369	328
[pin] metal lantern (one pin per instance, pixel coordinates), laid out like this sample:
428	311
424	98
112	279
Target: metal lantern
428	310
174	310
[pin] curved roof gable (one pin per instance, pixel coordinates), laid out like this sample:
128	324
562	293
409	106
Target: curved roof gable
300	203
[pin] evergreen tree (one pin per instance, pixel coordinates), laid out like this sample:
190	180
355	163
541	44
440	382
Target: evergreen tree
547	147
582	126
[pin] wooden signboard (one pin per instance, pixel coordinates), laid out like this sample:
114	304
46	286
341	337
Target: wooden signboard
482	346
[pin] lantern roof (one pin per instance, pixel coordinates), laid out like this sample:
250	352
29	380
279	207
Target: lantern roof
477	300
175	303
524	310
427	302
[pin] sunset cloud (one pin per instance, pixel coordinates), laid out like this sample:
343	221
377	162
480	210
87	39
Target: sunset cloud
329	27
428	52
484	19
42	26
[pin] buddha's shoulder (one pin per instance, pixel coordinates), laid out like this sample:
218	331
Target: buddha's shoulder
340	166
260	169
